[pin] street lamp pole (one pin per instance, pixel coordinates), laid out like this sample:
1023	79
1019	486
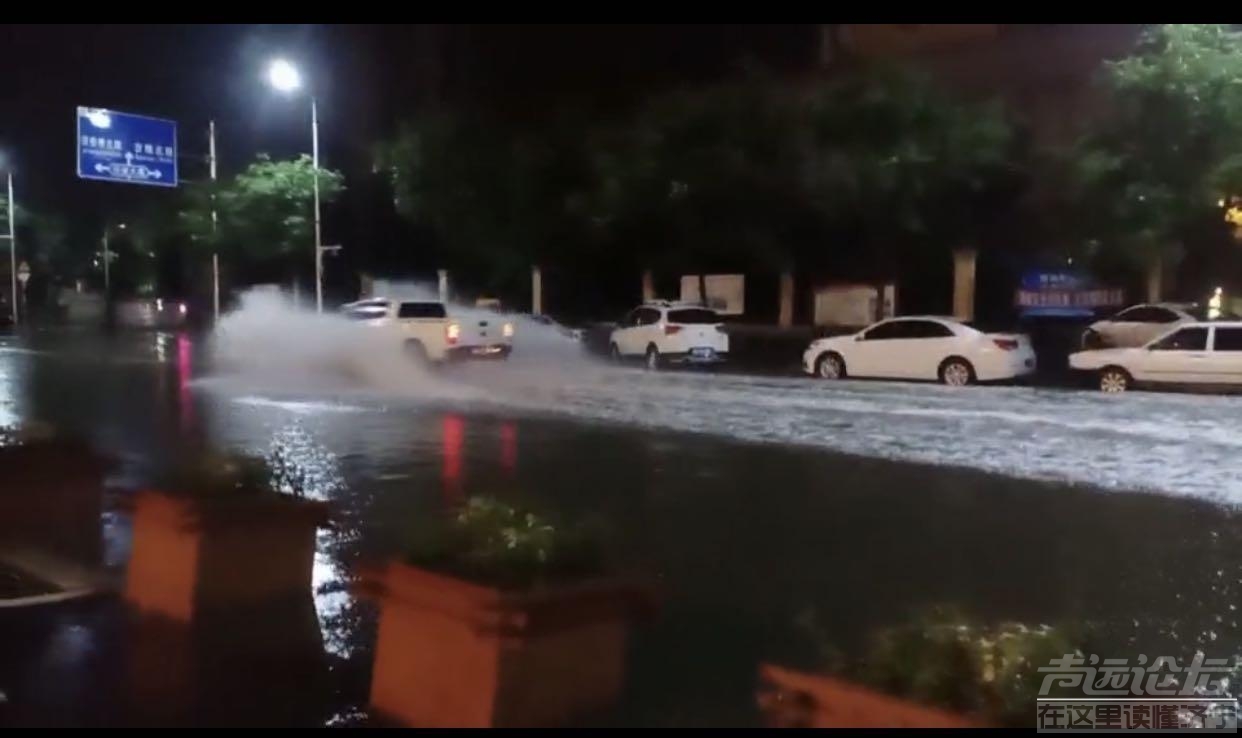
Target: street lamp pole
315	174
107	257
285	78
215	247
12	251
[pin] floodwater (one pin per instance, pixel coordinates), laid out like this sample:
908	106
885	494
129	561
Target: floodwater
750	501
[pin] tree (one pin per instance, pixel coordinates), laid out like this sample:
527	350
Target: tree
909	173
705	179
264	214
496	199
1153	169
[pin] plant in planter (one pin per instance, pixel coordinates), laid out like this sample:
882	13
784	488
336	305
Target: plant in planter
499	618
941	670
215	533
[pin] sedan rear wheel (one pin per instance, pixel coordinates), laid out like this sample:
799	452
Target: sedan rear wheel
957	372
1114	379
830	366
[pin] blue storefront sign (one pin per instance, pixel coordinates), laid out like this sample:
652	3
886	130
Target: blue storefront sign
128	148
1064	293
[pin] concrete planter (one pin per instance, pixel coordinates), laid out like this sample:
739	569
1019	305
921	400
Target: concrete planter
195	556
794	699
51	498
451	653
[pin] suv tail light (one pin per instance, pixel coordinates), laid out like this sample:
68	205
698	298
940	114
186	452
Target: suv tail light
452	332
1005	344
671	329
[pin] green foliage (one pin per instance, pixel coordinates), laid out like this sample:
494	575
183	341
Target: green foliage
947	659
1151	169
744	174
496	199
907	165
264	213
269	207
493	543
218	475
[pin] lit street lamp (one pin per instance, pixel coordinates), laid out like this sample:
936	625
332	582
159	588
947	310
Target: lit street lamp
284	77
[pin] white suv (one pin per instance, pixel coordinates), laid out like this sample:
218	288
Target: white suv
670	332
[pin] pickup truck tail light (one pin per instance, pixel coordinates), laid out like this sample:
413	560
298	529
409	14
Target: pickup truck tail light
452	332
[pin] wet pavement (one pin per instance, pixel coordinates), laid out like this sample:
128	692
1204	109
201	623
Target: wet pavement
751	501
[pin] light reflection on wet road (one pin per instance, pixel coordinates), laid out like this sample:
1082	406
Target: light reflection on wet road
745	537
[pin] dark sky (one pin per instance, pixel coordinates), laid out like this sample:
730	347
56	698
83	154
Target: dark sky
366	78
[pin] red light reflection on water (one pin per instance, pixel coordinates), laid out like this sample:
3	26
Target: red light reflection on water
185	399
508	447
454	432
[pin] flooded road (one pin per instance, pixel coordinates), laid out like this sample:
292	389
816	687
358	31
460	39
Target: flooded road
751	501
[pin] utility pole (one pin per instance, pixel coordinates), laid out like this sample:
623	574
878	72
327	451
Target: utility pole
215	247
12	251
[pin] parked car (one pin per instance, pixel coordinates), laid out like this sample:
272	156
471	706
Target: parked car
152	313
1136	325
1199	353
921	347
429	333
670	333
575	334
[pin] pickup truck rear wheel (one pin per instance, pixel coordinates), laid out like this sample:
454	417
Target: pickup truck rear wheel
416	351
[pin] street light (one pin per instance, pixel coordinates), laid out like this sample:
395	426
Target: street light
12	236
284	77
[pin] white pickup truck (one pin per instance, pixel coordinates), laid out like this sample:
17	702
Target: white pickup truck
429	333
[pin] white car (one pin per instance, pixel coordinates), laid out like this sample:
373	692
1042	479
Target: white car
670	332
1192	353
429	333
921	347
1136	325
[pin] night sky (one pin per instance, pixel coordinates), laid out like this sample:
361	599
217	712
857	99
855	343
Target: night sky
366	78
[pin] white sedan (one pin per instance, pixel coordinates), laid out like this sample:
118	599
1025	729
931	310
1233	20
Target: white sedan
1192	353
921	347
1136	325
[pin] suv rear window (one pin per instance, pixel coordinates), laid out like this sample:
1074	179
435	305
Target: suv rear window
693	316
422	310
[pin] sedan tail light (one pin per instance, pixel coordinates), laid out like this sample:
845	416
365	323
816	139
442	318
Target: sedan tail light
671	329
452	332
1005	344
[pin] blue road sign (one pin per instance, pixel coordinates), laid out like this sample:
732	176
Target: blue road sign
123	147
